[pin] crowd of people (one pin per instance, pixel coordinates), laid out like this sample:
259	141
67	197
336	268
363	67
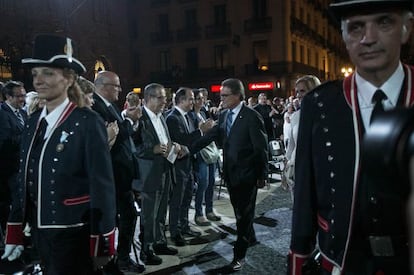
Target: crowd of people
77	166
74	166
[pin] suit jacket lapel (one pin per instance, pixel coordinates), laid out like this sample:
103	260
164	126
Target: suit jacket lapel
13	116
165	128
236	120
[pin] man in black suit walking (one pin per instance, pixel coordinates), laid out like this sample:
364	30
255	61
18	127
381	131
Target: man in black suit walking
12	121
108	88
241	133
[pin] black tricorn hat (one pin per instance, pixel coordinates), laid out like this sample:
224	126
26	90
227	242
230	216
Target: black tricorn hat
341	8
54	51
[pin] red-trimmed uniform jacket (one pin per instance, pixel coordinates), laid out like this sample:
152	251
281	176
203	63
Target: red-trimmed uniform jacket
75	180
328	170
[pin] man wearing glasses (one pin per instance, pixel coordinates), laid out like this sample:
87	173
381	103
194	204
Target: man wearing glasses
106	94
12	120
242	135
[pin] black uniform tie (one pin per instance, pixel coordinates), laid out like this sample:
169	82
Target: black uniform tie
377	99
40	133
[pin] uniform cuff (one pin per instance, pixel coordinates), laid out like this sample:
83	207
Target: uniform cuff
14	233
296	262
102	245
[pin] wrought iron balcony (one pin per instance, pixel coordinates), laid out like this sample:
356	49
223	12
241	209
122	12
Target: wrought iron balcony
258	25
158	38
156	3
218	31
189	34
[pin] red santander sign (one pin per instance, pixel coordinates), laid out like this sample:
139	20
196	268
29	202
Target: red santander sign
262	86
215	88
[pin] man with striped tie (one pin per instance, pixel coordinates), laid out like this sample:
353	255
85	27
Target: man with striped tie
12	120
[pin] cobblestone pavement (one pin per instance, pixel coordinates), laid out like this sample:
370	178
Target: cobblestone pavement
213	250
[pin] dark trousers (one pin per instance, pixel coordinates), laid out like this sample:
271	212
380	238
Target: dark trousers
243	200
63	251
154	212
126	223
180	200
5	201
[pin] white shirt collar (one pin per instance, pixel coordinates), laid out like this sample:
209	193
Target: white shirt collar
151	114
181	111
391	88
52	117
11	107
237	109
107	103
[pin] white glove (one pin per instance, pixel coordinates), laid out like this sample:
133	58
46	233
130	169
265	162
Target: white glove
12	252
27	230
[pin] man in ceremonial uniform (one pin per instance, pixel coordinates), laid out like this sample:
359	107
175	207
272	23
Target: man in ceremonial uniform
358	221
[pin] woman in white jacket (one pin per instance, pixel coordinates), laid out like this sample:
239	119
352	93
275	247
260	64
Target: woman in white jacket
302	86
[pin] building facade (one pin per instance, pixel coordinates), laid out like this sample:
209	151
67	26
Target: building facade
196	43
101	29
266	43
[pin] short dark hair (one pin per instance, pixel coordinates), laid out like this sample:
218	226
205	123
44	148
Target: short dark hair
196	92
151	90
181	94
9	86
236	87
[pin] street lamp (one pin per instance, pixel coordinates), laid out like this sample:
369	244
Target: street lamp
346	71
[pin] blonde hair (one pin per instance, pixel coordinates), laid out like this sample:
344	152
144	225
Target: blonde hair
310	81
74	90
86	86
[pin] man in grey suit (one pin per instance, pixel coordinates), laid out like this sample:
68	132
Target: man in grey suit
156	174
241	133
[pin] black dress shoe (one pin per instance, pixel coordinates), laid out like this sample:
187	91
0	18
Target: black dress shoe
178	240
149	258
163	249
236	265
253	242
128	265
190	233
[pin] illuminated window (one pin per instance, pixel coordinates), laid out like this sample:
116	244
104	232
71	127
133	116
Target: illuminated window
5	66
99	66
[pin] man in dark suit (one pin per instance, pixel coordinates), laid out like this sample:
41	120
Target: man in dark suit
356	219
241	133
124	164
156	174
183	132
12	121
265	111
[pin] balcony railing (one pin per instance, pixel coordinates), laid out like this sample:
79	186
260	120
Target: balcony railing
257	25
158	38
189	34
302	29
186	1
156	3
218	31
200	74
282	68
